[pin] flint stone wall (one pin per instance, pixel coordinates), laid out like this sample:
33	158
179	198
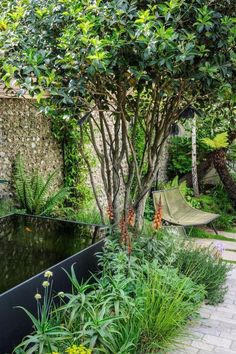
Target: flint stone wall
24	131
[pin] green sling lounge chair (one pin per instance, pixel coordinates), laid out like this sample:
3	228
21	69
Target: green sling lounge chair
176	211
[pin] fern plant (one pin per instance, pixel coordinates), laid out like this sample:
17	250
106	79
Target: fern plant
220	141
34	193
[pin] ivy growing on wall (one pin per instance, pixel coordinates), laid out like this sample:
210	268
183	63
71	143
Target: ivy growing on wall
75	174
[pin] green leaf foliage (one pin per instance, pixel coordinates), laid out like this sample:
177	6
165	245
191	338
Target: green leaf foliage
134	41
169	301
134	306
34	194
180	158
217	201
220	141
204	268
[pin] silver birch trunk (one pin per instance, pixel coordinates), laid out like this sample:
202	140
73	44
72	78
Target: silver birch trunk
194	157
140	213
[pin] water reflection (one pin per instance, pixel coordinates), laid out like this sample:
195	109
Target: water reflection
30	245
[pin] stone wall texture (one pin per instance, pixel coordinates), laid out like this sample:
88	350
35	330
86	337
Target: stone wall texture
26	132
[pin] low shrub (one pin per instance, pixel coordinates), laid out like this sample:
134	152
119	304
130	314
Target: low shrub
180	155
169	301
205	267
180	161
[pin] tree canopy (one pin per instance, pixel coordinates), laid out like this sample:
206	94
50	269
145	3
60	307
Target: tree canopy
135	40
137	64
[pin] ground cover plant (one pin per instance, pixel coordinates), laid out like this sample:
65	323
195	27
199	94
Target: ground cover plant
141	301
169	301
90	215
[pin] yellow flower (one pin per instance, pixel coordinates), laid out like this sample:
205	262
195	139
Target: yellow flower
37	296
45	284
48	274
78	350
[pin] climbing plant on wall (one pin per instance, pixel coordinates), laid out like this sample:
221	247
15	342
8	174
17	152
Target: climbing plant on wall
75	172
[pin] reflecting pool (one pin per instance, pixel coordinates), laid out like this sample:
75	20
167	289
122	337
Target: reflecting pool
29	245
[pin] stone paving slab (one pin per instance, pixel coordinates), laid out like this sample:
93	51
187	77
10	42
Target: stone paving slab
229	252
222	233
230	256
216	331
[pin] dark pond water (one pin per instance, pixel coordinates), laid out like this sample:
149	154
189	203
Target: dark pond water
29	245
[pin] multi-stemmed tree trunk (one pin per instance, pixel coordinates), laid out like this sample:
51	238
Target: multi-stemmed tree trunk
128	170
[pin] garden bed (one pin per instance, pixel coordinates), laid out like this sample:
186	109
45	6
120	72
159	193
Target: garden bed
141	301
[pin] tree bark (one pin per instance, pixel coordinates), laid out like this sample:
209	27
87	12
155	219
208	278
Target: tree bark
220	164
140	212
204	166
194	157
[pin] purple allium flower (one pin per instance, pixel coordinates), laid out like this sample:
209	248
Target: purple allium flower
219	247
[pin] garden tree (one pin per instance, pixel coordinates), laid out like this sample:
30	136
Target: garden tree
214	120
122	69
220	126
219	157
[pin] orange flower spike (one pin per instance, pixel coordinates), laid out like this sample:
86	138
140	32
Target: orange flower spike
131	217
110	213
121	224
122	231
125	234
129	244
129	249
157	221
